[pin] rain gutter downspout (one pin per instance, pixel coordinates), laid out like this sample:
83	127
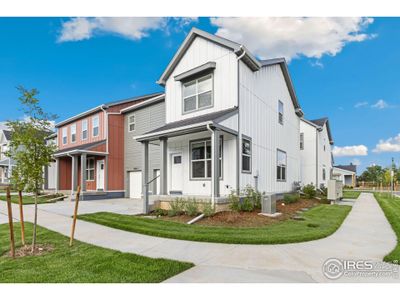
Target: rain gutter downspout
212	159
239	132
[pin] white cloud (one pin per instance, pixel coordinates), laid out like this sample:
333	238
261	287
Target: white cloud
361	104
293	37
78	29
390	145
356	162
380	104
358	150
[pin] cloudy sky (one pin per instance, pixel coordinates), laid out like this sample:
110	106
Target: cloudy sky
342	68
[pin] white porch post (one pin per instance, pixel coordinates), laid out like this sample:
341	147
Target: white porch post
74	173
83	172
57	174
145	176
215	136
163	166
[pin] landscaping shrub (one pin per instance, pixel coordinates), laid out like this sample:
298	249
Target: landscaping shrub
160	212
234	201
254	196
176	207
291	198
309	191
208	209
250	200
247	204
191	207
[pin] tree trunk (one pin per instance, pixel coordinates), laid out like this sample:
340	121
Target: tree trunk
21	217
34	225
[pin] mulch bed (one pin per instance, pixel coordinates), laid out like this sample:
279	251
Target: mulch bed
248	219
27	250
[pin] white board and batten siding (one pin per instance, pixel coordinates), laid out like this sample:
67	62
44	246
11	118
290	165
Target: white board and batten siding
135	184
200	52
259	95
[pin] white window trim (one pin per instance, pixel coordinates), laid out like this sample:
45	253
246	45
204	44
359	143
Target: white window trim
98	125
64	129
90	169
248	139
281	165
197	94
131	123
205	159
85	121
281	120
70	128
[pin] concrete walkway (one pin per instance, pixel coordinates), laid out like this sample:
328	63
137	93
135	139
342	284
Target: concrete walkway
365	234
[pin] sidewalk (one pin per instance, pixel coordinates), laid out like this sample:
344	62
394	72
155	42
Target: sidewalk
365	234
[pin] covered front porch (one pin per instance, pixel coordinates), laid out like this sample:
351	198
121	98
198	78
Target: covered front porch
5	170
199	160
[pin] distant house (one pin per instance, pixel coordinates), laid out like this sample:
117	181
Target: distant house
91	151
50	174
346	174
316	151
6	164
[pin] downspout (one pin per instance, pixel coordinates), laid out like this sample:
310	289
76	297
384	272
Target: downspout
212	159
73	175
239	134
316	155
105	125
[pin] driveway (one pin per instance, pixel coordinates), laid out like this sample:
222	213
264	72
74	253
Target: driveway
365	234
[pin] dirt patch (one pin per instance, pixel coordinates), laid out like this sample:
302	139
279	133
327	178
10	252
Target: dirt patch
27	250
249	219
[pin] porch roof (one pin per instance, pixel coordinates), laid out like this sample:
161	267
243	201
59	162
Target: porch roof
85	148
6	162
190	125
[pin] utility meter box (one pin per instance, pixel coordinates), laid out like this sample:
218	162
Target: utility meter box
335	190
268	205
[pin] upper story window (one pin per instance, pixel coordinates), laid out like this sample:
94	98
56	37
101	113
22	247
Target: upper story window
281	165
246	155
73	133
95	124
64	135
302	141
280	112
198	94
84	129
131	123
200	159
323	174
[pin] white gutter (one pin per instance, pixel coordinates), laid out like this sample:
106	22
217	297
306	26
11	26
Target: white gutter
92	110
243	54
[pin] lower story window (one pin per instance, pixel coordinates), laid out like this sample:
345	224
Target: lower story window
281	165
90	169
200	159
323	174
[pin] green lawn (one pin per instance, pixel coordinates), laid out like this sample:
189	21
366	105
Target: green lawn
28	199
351	194
82	263
391	208
319	222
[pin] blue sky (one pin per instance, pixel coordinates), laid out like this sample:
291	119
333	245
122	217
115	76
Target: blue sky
349	75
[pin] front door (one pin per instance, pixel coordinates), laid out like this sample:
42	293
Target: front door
100	175
176	173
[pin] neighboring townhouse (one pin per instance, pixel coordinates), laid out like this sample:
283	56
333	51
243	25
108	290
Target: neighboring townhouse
346	174
316	152
50	172
231	120
139	119
6	164
91	151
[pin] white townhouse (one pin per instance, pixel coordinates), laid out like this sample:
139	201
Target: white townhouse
6	163
316	152
231	120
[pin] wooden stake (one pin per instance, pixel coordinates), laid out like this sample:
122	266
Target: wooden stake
10	222
21	217
75	214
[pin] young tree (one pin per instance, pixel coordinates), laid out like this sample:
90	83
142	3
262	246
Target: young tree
28	146
18	181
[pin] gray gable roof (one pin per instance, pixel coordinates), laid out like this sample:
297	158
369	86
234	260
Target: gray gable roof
351	167
321	122
7	134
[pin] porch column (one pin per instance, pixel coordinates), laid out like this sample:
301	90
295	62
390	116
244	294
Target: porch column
74	173
57	174
106	173
145	177
163	166
83	172
215	162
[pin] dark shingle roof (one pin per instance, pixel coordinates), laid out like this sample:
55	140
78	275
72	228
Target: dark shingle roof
7	134
351	167
81	147
321	122
195	120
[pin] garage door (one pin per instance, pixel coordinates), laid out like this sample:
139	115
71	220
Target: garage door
135	184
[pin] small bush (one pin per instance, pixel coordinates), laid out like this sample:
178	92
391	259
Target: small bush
208	209
176	207
309	191
191	208
234	201
247	204
254	196
290	198
160	212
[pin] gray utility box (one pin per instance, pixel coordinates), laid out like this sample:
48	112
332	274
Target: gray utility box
268	204
335	190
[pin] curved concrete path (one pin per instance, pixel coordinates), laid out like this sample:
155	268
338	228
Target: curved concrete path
365	234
